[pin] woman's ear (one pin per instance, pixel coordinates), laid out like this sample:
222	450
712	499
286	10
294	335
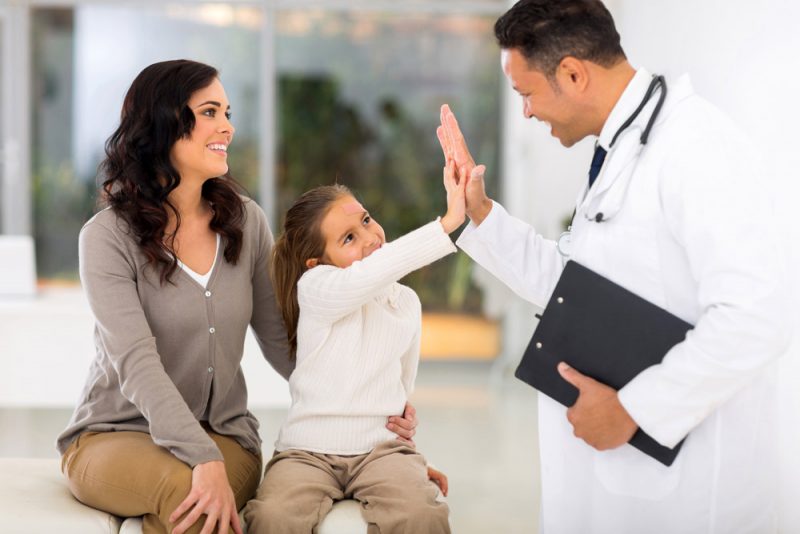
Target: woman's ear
312	262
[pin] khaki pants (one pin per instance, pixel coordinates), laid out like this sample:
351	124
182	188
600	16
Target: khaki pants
126	474
300	487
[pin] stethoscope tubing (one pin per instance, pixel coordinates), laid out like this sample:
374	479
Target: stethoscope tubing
658	82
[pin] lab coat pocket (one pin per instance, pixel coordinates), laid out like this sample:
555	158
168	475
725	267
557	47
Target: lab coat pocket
629	472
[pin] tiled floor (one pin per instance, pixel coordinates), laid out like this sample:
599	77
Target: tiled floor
483	436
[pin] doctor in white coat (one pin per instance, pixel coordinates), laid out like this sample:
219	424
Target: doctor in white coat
678	217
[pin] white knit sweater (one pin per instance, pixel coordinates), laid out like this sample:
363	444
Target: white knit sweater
357	347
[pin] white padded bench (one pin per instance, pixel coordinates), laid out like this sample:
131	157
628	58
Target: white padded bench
34	499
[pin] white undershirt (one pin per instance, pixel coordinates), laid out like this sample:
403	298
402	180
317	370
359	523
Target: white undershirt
202	279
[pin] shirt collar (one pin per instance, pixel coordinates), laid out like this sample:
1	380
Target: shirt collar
625	106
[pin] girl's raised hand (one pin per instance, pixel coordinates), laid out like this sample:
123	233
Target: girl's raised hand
456	198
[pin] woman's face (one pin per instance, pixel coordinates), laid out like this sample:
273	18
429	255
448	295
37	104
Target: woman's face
204	153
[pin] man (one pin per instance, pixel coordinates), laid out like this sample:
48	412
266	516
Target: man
673	212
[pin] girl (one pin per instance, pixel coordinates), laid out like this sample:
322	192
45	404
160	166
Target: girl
356	333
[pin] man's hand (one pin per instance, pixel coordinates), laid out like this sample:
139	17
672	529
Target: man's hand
597	417
455	149
211	495
404	426
453	143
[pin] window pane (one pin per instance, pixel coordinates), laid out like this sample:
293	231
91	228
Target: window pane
84	60
358	102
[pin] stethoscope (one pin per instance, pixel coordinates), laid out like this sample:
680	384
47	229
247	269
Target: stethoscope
565	240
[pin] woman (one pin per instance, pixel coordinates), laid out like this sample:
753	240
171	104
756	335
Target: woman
162	428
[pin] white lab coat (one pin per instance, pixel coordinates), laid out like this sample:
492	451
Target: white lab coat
692	234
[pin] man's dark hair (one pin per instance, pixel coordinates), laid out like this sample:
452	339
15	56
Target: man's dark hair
547	31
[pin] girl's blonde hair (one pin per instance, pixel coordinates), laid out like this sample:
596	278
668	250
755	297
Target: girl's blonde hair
301	240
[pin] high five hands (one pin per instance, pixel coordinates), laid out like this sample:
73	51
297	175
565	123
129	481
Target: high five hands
456	154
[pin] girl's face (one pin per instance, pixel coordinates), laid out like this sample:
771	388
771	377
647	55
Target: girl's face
204	153
349	232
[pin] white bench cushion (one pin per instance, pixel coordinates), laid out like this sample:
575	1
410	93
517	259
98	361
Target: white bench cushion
34	498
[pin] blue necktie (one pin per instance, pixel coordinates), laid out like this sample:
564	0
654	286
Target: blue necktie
597	163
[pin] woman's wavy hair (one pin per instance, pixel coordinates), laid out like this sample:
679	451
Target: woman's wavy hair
138	175
300	240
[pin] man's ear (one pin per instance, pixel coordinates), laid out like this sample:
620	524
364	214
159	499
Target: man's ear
312	262
572	73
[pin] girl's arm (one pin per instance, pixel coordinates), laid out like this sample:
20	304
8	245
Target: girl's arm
330	293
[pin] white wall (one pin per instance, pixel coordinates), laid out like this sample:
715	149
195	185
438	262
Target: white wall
741	55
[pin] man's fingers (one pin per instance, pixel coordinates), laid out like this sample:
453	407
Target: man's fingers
572	376
442	136
477	172
457	141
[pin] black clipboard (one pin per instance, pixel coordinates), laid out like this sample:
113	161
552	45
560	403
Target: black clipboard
604	331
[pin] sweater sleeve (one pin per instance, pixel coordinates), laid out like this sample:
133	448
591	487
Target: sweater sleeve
109	279
266	321
329	293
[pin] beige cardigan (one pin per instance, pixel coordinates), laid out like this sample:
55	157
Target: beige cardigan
168	356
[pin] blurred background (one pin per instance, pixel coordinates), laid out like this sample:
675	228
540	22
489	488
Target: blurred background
349	91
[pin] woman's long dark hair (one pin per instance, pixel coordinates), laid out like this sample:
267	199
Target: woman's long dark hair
301	240
139	176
